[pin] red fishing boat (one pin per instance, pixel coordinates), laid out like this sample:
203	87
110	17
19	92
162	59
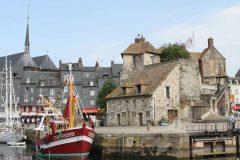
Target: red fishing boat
64	136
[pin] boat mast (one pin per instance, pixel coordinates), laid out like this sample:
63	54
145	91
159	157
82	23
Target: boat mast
6	91
71	120
10	94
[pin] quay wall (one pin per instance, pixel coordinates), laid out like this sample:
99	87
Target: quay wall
162	144
144	144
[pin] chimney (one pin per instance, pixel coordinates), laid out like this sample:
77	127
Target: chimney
139	39
210	42
112	62
80	62
60	64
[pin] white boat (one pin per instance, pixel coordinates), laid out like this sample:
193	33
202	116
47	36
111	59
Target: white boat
12	130
16	144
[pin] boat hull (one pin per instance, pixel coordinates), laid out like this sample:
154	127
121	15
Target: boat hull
74	143
10	136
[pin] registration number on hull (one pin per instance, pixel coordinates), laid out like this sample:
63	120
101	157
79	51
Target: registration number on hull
65	135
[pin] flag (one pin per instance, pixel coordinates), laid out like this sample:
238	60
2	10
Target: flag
189	43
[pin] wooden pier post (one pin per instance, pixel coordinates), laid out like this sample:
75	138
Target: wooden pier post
190	148
237	146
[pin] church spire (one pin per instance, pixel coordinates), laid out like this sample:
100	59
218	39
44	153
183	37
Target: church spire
27	42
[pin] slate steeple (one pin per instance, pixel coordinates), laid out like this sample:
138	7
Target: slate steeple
27	42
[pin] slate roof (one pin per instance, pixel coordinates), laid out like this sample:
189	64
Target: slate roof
45	62
116	69
150	78
139	47
105	71
19	60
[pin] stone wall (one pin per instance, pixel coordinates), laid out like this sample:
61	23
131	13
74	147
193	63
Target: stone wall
146	144
126	111
162	103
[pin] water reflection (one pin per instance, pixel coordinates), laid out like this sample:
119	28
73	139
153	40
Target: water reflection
14	153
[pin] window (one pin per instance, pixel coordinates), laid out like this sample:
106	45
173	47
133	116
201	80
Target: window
27	109
112	115
168	92
134	114
28	80
41	82
87	75
65	89
124	114
31	90
34	109
92	92
14	75
26	98
52	92
92	102
147	113
91	83
32	99
27	89
139	89
124	90
236	91
237	101
65	101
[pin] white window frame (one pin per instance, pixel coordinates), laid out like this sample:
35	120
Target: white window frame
92	102
91	83
26	98
92	92
28	79
52	91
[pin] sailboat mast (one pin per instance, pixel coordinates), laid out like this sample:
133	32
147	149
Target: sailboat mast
71	119
10	93
6	91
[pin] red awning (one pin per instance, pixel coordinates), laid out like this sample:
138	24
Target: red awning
236	107
89	110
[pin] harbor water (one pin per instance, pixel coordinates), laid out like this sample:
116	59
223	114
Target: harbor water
25	153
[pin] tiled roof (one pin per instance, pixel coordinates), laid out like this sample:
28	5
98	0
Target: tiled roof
150	78
140	46
44	62
195	55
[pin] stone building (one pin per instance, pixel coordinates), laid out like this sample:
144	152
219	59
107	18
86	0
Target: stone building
187	89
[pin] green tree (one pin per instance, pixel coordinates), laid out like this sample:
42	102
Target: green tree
108	86
174	51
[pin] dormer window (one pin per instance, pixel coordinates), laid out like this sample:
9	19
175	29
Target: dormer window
236	82
124	90
139	89
28	80
14	75
41	82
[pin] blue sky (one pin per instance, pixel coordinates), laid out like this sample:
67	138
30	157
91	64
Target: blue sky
101	30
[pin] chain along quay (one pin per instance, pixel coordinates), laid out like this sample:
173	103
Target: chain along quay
192	140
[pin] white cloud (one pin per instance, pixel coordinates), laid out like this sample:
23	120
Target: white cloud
223	26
